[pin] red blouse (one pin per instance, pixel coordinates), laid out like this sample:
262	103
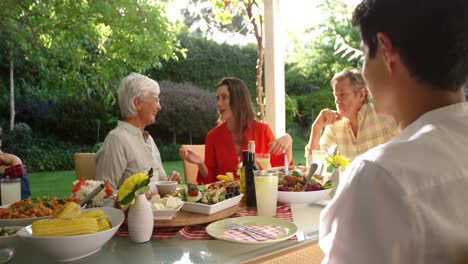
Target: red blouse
220	153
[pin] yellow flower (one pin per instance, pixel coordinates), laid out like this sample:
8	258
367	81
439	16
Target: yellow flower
338	161
130	186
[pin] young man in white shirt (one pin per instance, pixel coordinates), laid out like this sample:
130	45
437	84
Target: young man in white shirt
405	201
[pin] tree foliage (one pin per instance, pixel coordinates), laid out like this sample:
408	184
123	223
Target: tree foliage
319	54
86	46
208	61
322	51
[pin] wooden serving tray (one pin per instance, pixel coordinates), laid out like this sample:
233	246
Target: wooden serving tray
183	218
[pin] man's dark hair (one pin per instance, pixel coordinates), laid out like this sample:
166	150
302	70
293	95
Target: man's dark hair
430	35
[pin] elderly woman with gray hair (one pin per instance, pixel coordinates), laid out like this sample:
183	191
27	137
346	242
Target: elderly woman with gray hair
129	149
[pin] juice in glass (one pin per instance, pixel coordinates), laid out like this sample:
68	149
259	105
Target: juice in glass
266	190
263	160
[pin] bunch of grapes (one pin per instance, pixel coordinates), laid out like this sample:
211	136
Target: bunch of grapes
232	191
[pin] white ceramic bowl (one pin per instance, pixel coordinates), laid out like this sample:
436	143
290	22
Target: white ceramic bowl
165	214
11	240
68	248
303	197
166	187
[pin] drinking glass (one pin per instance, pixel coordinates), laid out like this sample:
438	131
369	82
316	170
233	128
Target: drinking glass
266	191
319	157
263	160
10	190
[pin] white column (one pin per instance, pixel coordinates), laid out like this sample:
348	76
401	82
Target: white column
274	67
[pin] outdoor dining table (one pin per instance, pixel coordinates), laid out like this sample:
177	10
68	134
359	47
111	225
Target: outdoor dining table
179	249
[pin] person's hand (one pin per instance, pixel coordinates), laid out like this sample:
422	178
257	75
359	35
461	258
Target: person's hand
175	176
280	145
190	156
326	117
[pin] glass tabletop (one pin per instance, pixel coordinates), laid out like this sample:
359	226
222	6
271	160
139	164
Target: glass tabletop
182	250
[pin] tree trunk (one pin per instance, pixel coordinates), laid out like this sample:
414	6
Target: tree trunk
12	93
259	72
174	137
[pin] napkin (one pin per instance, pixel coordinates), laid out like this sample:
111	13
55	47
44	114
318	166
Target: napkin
241	236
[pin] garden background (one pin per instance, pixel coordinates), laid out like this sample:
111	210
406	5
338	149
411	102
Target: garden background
61	63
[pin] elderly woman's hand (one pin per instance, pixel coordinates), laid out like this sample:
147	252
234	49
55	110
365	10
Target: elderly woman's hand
175	176
281	145
190	156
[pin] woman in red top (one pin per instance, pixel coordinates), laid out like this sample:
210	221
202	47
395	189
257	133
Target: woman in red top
224	143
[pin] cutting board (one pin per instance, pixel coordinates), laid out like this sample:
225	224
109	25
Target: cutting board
188	218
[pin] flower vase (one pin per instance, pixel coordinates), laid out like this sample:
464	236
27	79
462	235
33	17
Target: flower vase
335	177
140	220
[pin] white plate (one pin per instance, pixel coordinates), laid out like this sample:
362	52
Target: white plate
287	228
68	248
211	209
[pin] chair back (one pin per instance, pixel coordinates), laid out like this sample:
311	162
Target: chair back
85	165
191	170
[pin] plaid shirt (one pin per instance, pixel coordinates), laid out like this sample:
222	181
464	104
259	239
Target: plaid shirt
373	130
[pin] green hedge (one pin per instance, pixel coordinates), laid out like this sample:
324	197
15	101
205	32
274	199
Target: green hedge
207	62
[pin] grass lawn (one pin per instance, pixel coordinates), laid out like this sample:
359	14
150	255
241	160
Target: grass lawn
59	183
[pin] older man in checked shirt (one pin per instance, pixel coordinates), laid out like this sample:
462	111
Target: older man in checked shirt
355	127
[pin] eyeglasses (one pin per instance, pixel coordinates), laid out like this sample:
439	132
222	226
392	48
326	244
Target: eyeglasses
151	99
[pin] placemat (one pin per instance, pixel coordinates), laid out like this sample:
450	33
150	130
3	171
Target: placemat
158	233
197	232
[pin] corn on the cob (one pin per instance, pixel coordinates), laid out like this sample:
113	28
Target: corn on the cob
64	227
103	224
69	210
103	221
97	213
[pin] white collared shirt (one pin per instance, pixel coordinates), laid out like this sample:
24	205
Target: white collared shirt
404	201
126	151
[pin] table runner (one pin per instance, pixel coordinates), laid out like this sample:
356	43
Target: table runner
197	232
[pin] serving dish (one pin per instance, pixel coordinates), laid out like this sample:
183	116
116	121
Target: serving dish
201	208
303	197
165	214
36	204
68	248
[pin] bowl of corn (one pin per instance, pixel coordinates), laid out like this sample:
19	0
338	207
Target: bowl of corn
73	233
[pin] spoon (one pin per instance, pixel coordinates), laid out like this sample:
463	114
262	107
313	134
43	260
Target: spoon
91	195
312	169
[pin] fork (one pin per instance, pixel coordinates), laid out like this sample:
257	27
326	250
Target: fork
255	231
233	226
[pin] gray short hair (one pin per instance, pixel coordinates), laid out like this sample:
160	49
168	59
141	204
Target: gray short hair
132	86
356	79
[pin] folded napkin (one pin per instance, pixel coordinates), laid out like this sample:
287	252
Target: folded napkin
241	236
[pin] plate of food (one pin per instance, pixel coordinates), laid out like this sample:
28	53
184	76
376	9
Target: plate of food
212	198
24	212
290	186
